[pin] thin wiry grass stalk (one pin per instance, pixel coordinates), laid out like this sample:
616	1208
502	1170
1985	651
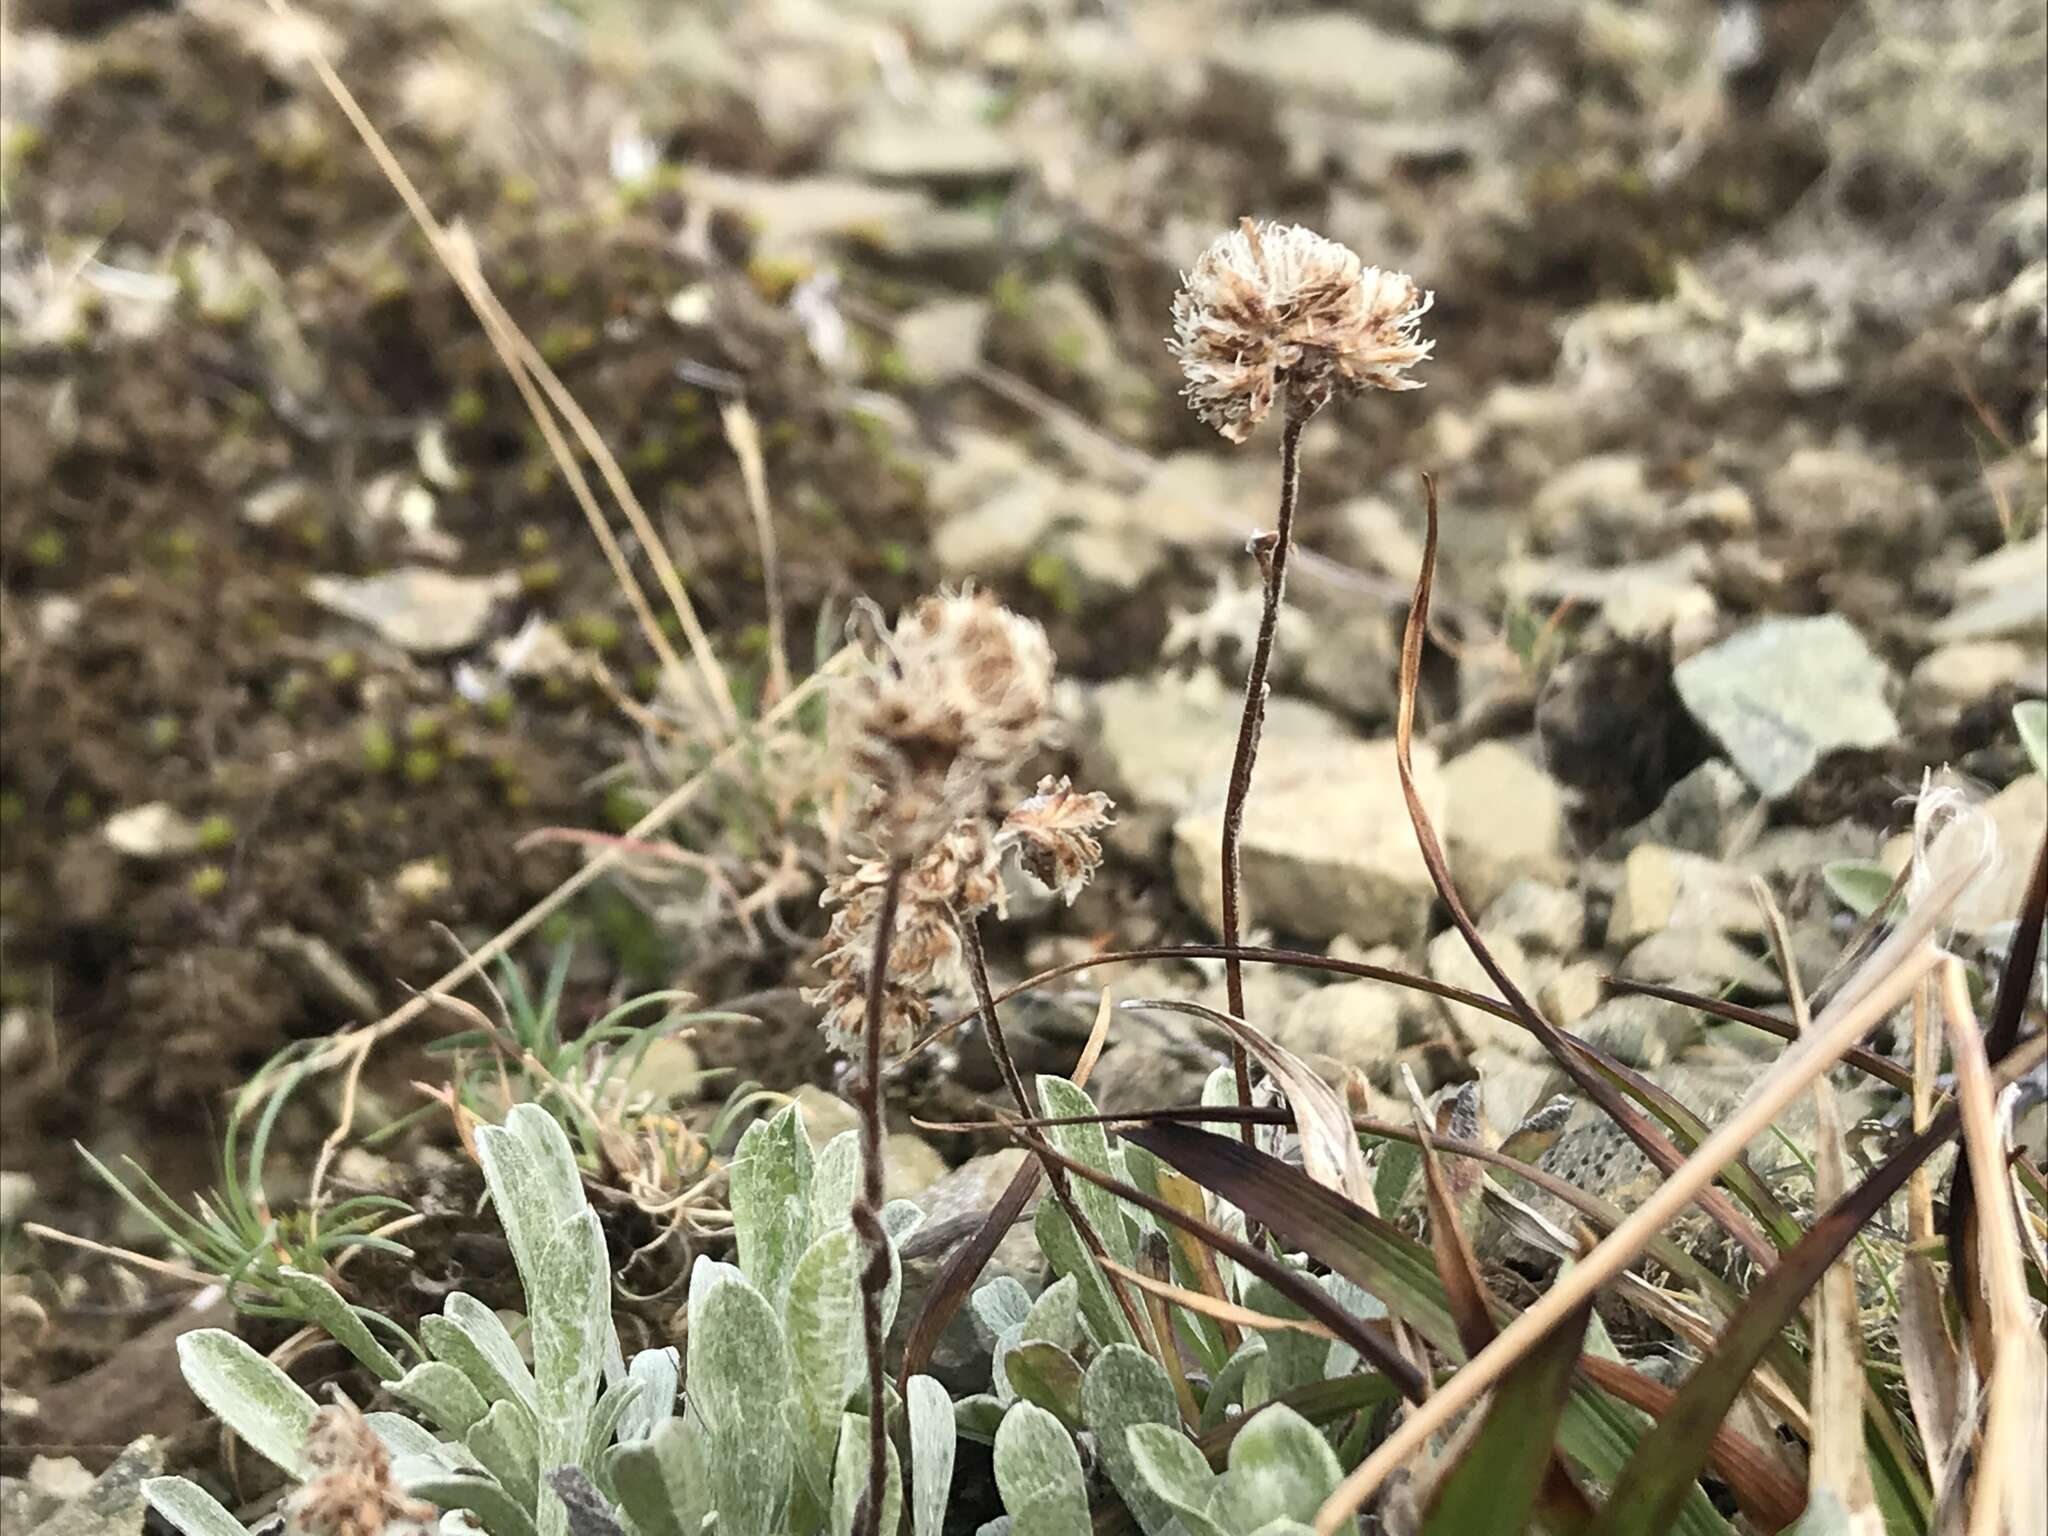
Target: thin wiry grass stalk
1898	968
867	1210
1027	1106
1273	550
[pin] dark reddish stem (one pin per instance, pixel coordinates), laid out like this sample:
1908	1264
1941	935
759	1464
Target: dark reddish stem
867	1210
1274	565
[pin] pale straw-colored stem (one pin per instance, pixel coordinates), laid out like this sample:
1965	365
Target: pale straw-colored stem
2009	1495
1897	968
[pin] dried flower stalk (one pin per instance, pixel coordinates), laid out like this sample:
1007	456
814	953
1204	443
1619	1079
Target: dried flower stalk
1274	311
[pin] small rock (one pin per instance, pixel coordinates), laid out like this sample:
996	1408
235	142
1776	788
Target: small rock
1664	888
2001	594
999	536
539	649
1969	670
420	882
910	1165
1452	962
1344	62
1574	992
1191	500
1604	501
944	139
1701	960
17	1196
113	1505
1067	332
941	341
1707	812
1506	820
1154	742
62	1478
149	832
669	1070
1783	693
953	1206
800	217
57	617
1357	1023
1544	919
1326	848
273	503
1718	511
824	1115
1641	1032
1844	495
1644	601
419	610
1374	535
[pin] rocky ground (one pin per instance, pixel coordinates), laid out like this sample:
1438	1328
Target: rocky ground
1737	418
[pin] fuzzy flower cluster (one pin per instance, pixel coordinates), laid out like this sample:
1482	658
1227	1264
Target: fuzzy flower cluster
960	700
1274	307
351	1491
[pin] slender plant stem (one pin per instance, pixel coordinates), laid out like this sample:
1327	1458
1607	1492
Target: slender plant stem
1248	731
867	1210
1027	1106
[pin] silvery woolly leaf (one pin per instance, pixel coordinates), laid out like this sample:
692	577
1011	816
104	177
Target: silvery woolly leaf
900	1218
403	1436
1047	1375
474	1339
611	1409
1000	1305
503	1441
1038	1473
827	1348
1125	1386
443	1394
834	1180
569	1311
662	1482
738	1377
657	1371
1242	1383
979	1417
1089	1144
2030	717
1280	1466
1176	1473
190	1508
495	1510
1068	1256
324	1305
248	1394
1285	1528
1055	1316
770	1176
933	1443
850	1469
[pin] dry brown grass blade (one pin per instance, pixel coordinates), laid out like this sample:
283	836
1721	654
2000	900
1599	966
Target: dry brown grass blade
745	438
2010	1496
1839	1465
1862	1058
1892	973
525	365
1566	1052
1215	1307
1927	1355
1329	1146
1178	1190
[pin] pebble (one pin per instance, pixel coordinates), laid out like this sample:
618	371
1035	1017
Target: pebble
420	610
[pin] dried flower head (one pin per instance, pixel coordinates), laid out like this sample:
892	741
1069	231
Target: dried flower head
1054	835
960	698
1273	307
352	1492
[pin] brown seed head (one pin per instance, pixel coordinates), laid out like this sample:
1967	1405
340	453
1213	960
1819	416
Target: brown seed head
1275	307
960	698
352	1492
1054	835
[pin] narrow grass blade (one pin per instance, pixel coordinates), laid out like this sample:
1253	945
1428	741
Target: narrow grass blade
1494	1487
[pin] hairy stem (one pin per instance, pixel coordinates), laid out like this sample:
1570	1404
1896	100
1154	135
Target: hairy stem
1248	730
867	1210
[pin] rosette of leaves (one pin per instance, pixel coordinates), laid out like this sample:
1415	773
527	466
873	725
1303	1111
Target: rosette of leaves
581	1440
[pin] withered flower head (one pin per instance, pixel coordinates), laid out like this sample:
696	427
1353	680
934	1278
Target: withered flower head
960	698
1275	307
1054	835
352	1492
